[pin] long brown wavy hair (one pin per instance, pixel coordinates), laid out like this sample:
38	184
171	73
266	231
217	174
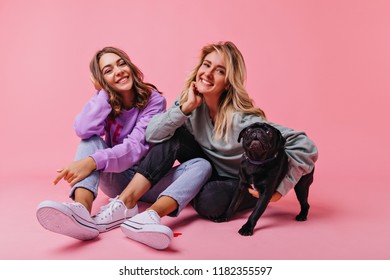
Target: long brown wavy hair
142	90
235	98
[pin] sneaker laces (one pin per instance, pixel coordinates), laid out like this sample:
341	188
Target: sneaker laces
109	207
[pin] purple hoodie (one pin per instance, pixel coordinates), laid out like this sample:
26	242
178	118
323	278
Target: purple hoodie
125	136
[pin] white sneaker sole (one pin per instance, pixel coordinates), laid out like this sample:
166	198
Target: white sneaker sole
60	219
109	226
154	235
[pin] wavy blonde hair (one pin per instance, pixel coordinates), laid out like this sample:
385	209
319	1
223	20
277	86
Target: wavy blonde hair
235	98
142	90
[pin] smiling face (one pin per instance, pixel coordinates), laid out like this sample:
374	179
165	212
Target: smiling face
211	75
116	73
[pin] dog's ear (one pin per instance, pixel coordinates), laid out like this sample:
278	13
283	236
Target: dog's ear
241	134
281	139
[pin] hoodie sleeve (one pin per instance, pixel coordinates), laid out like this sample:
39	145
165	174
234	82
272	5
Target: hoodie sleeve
92	119
134	146
302	154
163	126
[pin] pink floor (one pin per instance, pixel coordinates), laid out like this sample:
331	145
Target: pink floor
347	225
318	66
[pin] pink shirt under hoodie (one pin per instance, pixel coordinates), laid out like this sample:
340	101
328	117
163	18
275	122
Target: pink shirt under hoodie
125	135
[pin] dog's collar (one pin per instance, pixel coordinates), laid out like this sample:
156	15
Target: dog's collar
260	162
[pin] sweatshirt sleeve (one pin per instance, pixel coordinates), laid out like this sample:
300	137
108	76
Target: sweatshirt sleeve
134	146
163	126
91	120
302	154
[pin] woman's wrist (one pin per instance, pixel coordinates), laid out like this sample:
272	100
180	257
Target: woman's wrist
184	111
91	163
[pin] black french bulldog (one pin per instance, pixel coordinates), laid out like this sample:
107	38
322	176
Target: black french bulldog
264	165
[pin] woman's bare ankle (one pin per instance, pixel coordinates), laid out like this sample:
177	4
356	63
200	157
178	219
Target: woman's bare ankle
128	201
85	197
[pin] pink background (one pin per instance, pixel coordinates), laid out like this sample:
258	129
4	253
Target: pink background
318	66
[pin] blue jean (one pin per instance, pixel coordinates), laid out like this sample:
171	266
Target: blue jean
182	183
181	188
112	184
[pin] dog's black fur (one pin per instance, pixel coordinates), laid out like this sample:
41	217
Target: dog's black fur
264	165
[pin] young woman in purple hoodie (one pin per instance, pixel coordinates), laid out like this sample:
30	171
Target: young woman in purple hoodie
120	111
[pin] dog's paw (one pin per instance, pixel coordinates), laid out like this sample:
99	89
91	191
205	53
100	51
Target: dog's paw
246	230
302	216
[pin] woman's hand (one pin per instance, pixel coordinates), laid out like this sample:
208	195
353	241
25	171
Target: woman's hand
95	83
275	197
76	171
195	99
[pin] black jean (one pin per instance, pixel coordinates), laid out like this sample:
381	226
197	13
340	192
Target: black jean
214	198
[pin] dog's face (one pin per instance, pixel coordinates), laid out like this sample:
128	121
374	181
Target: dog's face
261	141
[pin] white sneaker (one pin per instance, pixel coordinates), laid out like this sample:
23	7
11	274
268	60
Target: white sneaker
113	214
146	228
71	219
